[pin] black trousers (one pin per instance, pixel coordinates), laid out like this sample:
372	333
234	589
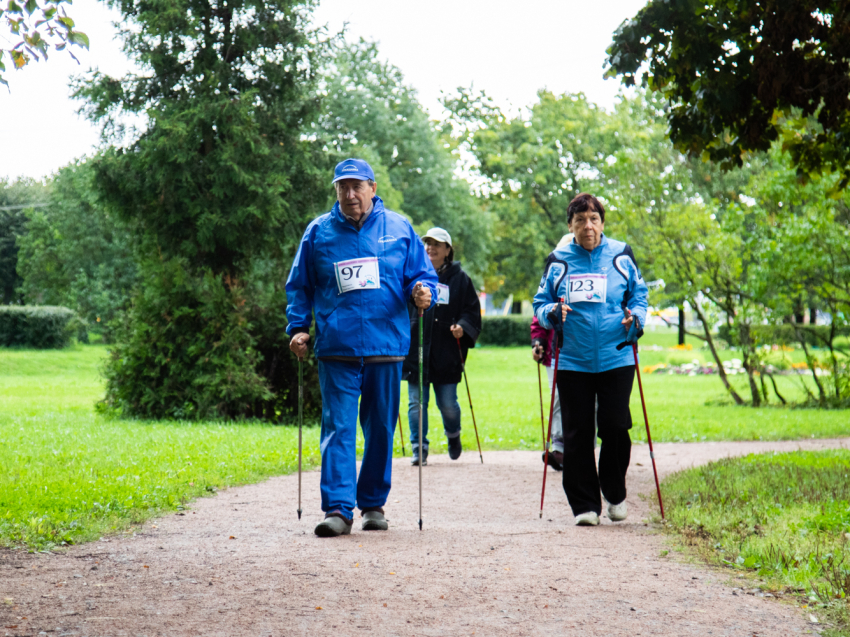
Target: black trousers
579	392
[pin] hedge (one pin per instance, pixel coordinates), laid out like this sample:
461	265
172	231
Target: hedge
506	330
43	327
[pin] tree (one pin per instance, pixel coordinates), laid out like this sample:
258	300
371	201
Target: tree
804	261
531	167
75	253
738	76
15	198
41	26
369	110
217	191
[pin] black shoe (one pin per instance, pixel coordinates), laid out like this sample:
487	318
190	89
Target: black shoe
556	460
455	448
415	460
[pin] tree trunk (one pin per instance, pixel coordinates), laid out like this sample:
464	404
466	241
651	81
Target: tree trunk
813	316
811	362
775	389
681	325
748	354
720	371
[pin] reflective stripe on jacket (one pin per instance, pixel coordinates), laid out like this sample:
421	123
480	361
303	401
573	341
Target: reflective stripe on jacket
592	331
369	322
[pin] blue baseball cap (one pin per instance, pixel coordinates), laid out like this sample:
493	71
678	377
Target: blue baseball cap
353	169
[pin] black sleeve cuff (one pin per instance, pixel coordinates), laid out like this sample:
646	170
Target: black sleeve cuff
299	330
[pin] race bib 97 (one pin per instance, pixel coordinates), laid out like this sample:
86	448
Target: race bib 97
442	294
587	288
357	274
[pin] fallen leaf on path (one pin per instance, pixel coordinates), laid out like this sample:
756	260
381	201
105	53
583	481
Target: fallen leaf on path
385	604
356	565
813	619
318	608
392	572
145	566
232	537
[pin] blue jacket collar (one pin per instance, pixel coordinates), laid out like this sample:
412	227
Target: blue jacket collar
602	243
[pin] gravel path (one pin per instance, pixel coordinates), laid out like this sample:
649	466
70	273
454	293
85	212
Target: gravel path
241	563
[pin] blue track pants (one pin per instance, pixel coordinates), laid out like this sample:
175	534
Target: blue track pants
377	386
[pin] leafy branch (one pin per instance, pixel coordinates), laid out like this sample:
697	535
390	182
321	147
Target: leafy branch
38	27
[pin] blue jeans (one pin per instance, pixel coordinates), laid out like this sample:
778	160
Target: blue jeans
446	396
377	386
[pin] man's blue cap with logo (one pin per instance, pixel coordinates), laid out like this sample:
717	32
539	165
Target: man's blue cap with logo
353	169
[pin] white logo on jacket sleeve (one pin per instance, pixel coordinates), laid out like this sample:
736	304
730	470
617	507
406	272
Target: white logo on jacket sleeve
624	263
554	272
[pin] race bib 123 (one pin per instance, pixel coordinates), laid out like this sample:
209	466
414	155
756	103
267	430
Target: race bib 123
588	288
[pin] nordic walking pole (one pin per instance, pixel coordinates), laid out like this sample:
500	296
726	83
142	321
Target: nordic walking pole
466	380
542	422
401	433
648	437
300	423
551	414
421	439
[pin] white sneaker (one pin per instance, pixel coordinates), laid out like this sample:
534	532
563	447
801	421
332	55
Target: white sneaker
617	512
587	519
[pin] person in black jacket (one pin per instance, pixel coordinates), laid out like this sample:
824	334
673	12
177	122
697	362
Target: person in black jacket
449	329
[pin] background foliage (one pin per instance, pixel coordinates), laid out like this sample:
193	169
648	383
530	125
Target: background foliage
739	76
174	241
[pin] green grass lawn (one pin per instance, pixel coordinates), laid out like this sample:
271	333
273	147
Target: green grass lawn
70	474
782	518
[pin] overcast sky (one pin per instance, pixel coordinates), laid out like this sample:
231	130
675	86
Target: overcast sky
509	49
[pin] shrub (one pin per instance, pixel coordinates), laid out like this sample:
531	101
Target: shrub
506	330
43	327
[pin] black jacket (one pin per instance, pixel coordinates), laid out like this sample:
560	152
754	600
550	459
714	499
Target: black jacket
440	351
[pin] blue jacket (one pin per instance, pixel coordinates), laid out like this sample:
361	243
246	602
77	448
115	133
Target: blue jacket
592	331
369	322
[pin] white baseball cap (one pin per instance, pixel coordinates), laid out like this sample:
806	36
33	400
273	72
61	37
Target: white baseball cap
438	234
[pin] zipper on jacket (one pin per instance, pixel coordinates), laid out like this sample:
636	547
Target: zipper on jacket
595	318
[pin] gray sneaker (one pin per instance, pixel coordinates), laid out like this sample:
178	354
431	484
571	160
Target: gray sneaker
415	460
333	525
374	520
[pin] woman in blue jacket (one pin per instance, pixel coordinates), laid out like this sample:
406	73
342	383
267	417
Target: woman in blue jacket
604	293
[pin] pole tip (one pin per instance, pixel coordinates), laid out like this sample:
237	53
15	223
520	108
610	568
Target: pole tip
420	525
299	514
482	458
541	515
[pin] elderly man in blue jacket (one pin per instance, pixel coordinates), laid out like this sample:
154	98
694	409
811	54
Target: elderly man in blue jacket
356	269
